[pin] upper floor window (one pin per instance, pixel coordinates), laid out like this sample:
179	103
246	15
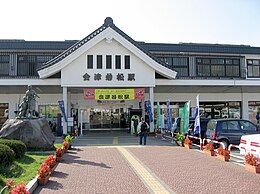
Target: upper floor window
179	64
90	61
127	62
99	61
4	64
253	68
218	67
118	62
108	62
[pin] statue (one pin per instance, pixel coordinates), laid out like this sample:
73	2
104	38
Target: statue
28	106
23	108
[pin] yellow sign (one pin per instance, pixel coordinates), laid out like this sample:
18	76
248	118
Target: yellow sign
114	94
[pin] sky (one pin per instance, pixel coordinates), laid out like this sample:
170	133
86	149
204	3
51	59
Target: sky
152	21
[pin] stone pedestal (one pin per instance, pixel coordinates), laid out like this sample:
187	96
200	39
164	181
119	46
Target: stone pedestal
34	133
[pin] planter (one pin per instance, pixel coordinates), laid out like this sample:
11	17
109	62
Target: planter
180	143
58	159
43	181
223	158
53	168
209	152
251	168
188	146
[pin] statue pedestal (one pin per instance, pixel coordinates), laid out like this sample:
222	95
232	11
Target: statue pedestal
34	133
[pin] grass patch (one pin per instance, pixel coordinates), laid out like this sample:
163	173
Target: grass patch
23	169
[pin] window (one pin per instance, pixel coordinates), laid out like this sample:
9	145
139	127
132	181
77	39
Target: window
26	65
118	62
99	61
108	62
233	125
247	126
127	62
179	64
253	68
218	67
4	64
90	61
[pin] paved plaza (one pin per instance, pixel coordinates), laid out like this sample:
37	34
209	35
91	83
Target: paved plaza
115	163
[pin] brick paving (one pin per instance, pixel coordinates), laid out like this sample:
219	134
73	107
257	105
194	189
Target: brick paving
93	169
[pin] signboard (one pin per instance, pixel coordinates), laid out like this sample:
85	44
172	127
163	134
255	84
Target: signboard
114	94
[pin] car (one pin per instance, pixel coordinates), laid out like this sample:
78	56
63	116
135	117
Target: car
229	131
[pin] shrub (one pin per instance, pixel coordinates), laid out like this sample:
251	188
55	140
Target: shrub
51	161
16	145
7	155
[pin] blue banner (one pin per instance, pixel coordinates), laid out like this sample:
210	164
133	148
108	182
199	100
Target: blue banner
149	110
62	108
197	129
169	116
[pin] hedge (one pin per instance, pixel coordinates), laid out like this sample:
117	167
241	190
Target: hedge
16	145
7	155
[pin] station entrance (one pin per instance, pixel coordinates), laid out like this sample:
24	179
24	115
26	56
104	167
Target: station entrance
105	117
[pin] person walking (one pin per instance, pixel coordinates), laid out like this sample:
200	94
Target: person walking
143	128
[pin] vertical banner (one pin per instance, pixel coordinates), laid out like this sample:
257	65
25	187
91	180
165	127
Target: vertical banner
62	108
197	129
158	121
185	118
149	110
169	116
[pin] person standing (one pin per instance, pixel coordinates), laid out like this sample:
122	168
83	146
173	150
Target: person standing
143	128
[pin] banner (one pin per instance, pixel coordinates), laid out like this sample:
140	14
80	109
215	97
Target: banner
114	94
169	116
197	129
62	108
149	110
158	120
185	118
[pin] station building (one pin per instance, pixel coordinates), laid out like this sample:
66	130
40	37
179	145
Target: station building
107	74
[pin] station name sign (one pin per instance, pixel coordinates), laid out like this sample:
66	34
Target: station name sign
114	94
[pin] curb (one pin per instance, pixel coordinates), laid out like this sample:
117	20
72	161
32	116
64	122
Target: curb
32	185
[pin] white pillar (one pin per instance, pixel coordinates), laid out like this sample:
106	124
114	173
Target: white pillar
244	101
151	95
65	99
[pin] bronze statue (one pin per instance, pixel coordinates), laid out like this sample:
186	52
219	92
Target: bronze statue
28	106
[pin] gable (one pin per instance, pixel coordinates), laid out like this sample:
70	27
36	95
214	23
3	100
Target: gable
78	74
107	39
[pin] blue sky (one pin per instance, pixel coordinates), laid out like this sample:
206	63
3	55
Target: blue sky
162	21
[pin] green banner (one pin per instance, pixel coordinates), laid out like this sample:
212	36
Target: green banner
185	118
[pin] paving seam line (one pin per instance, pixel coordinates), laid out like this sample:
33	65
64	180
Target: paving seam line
150	180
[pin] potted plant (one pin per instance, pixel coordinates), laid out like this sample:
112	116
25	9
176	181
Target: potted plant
7	187
59	153
44	174
66	145
188	143
180	139
51	161
223	154
68	139
252	163
209	149
20	188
